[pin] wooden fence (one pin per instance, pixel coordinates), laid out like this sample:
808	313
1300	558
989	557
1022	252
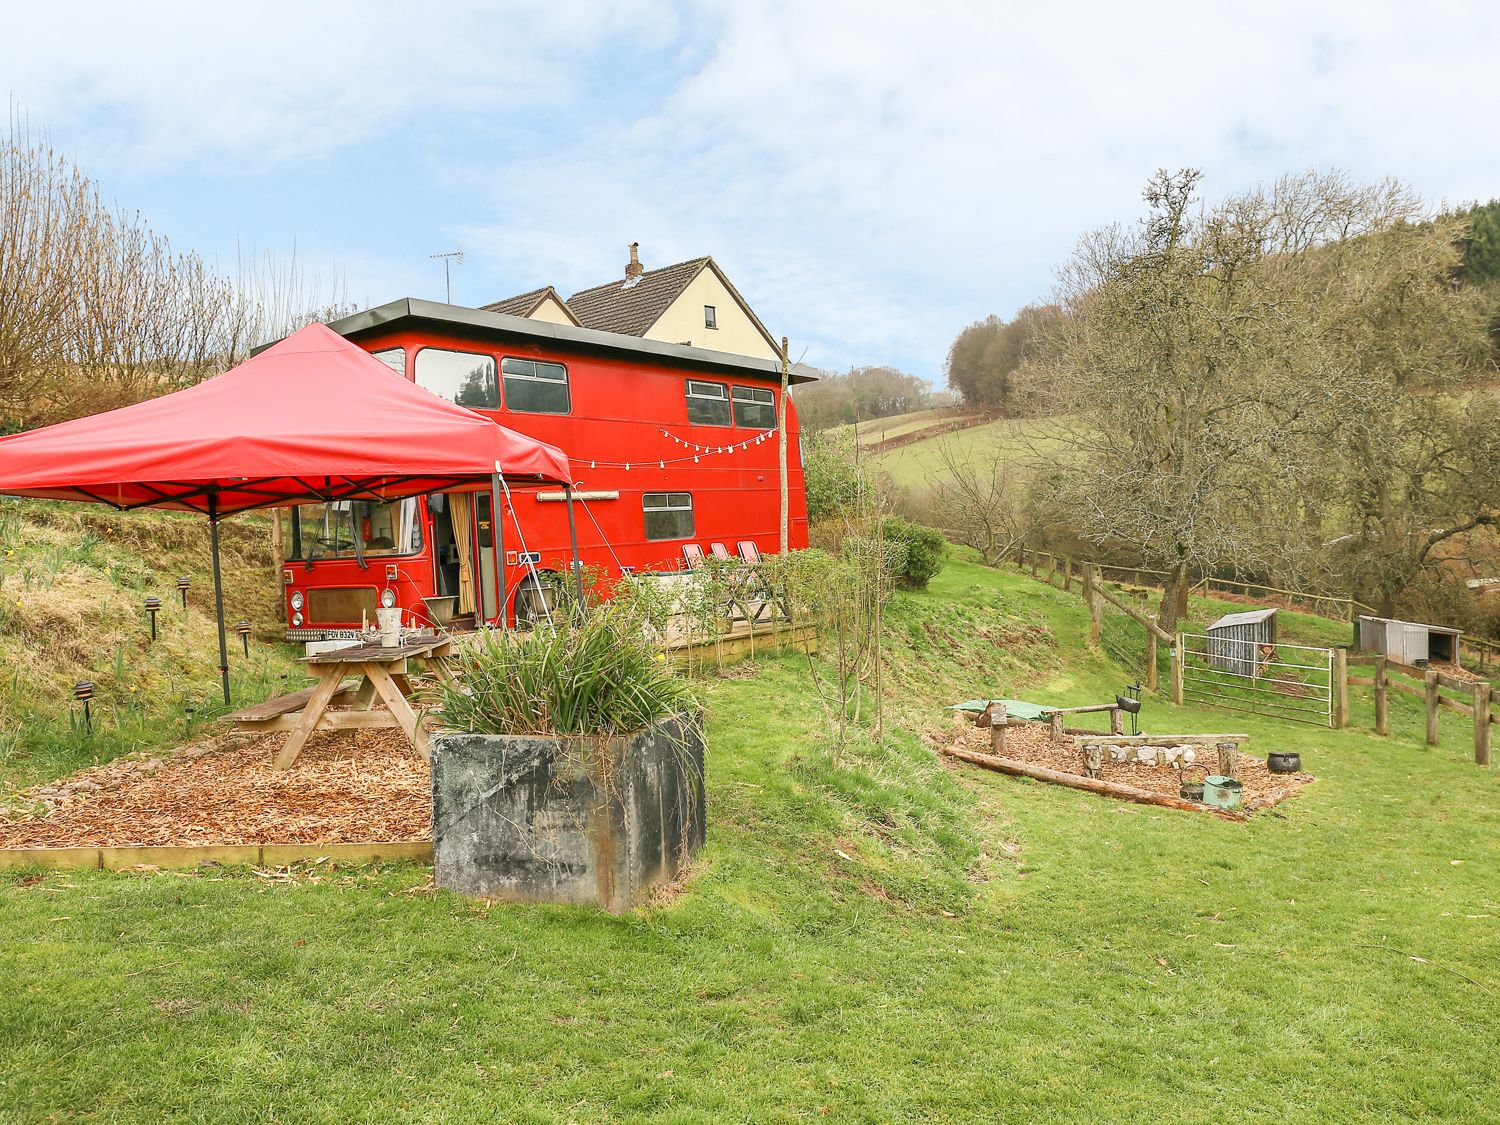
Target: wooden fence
1050	566
1475	698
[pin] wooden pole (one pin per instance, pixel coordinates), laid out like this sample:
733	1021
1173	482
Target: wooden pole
1051	570
1482	723
1431	698
1340	687
1087	784
1151	656
1096	604
1179	657
1382	698
1055	727
998	724
1067	574
786	503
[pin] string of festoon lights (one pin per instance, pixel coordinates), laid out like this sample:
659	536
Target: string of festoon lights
697	454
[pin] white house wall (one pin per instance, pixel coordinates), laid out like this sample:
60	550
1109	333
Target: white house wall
682	323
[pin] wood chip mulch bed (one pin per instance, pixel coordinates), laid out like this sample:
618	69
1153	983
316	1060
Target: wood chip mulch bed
1031	743
347	787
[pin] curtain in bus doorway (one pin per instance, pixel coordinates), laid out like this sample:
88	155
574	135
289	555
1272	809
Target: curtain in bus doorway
461	511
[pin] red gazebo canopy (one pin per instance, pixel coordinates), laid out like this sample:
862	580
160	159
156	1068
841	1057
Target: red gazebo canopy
313	417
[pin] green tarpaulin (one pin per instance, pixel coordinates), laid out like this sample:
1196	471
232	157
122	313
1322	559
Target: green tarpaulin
1014	708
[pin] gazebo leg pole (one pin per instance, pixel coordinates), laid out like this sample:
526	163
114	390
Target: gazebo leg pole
213	539
573	537
497	537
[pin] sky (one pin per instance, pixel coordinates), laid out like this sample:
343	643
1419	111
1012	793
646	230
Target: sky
872	176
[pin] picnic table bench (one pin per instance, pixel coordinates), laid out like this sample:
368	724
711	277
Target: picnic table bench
377	675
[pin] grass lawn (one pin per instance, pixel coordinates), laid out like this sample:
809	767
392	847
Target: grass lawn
1008	439
869	936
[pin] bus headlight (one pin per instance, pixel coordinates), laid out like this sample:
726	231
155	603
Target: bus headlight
388	598
296	619
297	601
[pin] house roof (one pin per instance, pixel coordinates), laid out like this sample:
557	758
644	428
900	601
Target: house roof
633	305
1248	617
459	319
524	304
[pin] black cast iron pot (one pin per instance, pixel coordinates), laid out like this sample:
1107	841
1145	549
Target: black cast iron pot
1283	762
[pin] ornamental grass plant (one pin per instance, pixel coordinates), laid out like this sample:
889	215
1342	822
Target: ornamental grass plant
597	674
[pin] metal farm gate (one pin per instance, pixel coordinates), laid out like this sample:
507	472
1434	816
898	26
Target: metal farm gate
1291	682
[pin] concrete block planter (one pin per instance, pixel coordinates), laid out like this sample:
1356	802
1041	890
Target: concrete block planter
581	819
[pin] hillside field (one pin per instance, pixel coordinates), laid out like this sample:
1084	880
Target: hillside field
872	934
1015	440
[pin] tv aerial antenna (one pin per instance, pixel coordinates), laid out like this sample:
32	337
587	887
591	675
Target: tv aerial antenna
449	259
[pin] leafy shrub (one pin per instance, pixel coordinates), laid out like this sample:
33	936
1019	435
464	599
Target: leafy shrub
834	474
915	552
598	676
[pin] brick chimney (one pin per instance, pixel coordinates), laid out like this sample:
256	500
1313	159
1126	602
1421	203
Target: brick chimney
633	268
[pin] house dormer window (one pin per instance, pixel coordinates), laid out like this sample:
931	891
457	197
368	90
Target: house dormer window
710	317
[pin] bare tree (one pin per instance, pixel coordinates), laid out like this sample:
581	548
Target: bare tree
981	498
97	310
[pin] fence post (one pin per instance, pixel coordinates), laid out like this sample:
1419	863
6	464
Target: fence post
1067	574
1179	658
1482	723
1382	698
1431	695
1341	683
1151	655
1036	563
1096	607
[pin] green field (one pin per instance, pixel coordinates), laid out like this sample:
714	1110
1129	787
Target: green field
870	935
1014	440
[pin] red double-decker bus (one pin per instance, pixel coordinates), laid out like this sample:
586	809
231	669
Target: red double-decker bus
672	447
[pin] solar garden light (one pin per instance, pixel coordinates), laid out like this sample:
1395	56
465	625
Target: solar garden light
182	588
242	627
153	607
83	691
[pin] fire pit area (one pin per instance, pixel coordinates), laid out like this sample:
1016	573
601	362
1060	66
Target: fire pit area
1140	769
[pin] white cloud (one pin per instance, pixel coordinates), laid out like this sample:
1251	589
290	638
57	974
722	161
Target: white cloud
872	175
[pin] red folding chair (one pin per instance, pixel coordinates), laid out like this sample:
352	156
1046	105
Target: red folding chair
692	554
720	551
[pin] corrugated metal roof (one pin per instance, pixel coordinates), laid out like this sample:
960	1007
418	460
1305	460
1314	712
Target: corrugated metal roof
1249	617
1417	624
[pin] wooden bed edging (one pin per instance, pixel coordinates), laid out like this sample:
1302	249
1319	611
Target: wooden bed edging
1087	784
190	855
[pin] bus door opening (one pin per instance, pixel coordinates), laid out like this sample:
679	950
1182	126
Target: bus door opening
489	604
445	555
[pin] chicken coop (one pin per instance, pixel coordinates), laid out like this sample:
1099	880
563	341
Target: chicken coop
1407	642
1240	642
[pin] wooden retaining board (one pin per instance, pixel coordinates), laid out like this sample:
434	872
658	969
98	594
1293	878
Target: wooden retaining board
191	855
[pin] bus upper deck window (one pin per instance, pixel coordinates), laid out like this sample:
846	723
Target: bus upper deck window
466	378
535	387
707	403
755	407
394	358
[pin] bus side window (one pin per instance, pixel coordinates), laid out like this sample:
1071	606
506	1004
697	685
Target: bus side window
754	407
707	403
669	515
466	378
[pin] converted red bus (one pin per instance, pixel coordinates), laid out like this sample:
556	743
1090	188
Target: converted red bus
671	445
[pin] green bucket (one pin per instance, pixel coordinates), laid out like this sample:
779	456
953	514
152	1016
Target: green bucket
1223	792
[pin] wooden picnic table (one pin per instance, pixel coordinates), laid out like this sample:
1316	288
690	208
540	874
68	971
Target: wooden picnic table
383	677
